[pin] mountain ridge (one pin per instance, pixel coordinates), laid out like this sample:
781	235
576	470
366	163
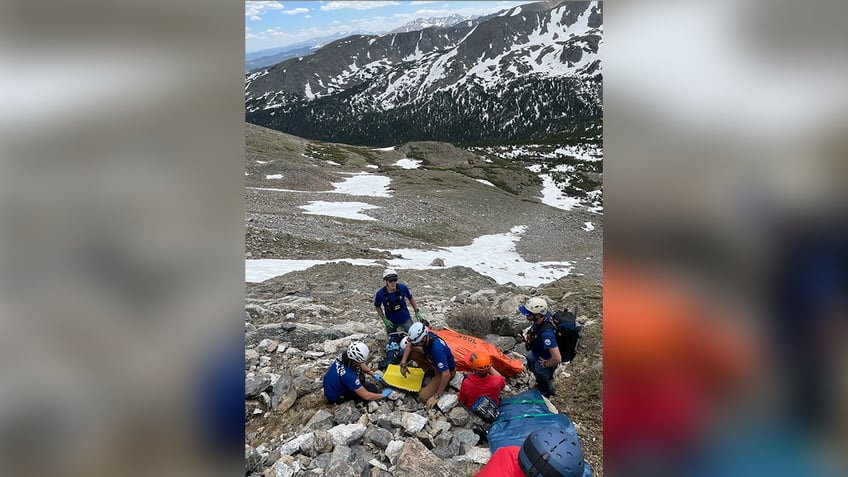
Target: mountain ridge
533	72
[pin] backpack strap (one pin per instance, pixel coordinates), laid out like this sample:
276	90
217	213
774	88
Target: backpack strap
534	335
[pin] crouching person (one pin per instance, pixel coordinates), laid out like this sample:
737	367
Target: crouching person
431	353
343	382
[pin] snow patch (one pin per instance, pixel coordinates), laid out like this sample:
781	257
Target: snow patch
364	184
490	255
345	210
408	163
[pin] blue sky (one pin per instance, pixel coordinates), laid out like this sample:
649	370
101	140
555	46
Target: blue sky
273	24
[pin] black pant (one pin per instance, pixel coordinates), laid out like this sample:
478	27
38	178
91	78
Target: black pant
347	396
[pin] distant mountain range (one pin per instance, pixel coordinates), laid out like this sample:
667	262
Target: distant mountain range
271	56
422	23
529	73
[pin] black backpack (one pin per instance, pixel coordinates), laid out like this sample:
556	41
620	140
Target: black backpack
567	330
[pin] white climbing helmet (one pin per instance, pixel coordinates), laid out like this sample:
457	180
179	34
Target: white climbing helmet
534	306
358	351
404	342
417	332
390	273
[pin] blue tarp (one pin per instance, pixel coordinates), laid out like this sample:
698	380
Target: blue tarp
520	415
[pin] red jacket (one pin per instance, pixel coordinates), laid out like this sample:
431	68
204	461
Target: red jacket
475	386
503	463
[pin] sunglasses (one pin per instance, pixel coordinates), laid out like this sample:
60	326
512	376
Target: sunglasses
391	280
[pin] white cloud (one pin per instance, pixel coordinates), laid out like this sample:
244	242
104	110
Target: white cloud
255	18
252	9
295	11
355	5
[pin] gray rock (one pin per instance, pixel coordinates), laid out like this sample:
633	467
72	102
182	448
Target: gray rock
393	450
340	465
321	462
266	399
503	343
452	449
336	346
440	426
443	439
456	382
478	455
447	402
321	443
347	413
458	416
252	459
413	423
415	458
467	438
303	385
254	385
285	467
376	463
378	436
272	346
322	419
437	262
346	434
294	445
251	356
282	392
425	439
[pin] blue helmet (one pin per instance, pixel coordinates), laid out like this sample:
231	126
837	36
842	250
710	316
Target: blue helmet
551	452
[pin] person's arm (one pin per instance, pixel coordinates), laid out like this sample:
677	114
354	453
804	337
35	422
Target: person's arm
555	359
404	359
414	305
364	367
367	395
443	383
494	372
463	392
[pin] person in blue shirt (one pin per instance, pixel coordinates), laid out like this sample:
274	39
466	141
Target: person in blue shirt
541	340
430	352
390	302
342	381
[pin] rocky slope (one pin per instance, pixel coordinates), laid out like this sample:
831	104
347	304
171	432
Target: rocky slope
298	322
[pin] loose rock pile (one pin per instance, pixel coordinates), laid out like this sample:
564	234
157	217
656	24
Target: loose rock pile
393	436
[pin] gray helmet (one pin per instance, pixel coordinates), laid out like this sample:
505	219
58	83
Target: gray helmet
551	452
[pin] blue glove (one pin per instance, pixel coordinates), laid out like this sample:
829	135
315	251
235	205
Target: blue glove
378	376
418	315
386	392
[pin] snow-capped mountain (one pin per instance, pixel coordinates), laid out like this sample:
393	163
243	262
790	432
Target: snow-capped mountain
532	72
422	23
